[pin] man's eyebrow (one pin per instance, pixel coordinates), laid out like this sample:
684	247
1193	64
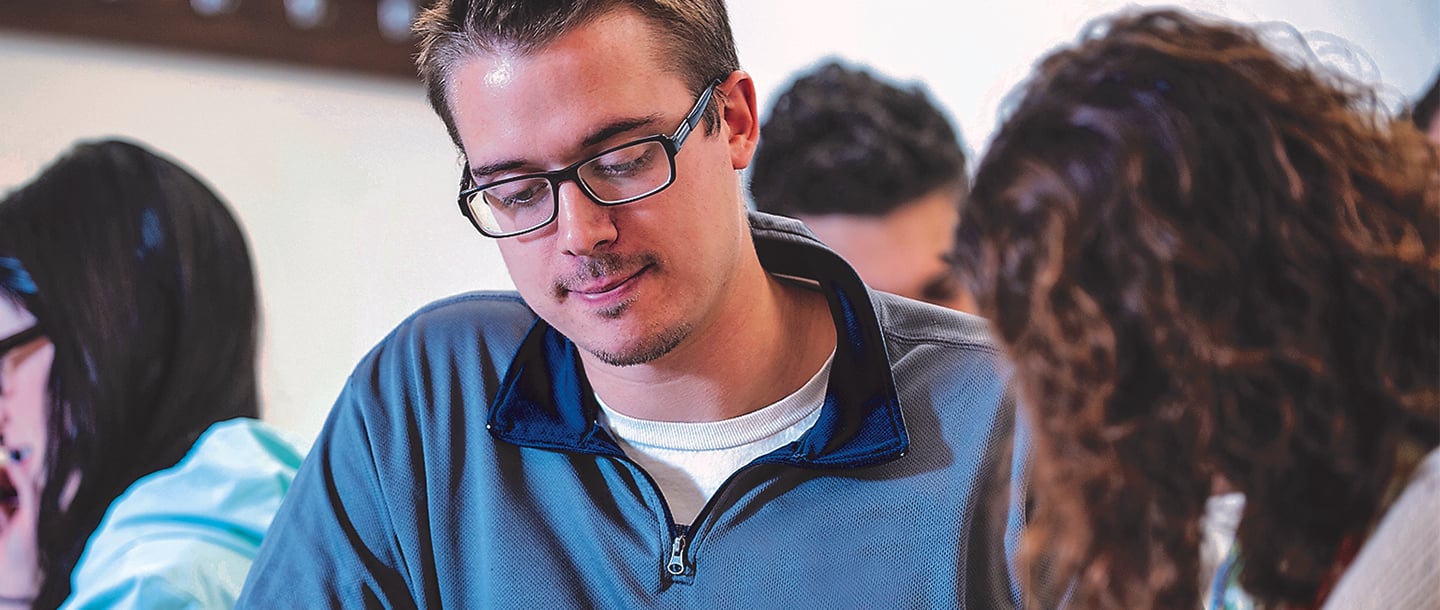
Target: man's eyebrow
601	134
618	127
480	171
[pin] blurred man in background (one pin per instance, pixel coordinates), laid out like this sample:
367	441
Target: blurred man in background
875	170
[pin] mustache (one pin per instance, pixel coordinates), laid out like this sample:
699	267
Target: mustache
593	268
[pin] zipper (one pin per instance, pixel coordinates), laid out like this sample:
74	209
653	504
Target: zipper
676	566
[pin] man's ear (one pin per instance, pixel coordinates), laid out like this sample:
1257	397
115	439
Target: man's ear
739	119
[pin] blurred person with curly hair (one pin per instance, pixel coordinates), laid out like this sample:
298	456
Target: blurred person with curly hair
1217	271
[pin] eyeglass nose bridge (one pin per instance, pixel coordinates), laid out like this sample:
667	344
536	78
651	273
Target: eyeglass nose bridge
572	174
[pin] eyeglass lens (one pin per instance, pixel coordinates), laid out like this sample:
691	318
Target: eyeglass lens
10	343
618	176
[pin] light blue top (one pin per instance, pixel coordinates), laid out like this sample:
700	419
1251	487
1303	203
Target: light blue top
184	537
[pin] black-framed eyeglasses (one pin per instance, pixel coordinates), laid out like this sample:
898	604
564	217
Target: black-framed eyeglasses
616	176
16	340
19	339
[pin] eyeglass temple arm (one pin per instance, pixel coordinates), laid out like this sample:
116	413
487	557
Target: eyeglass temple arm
695	115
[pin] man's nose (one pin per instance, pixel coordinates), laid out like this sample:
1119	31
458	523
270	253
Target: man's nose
585	226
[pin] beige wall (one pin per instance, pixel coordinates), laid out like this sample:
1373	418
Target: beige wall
345	186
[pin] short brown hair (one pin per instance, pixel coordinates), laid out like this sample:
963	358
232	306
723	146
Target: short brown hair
696	34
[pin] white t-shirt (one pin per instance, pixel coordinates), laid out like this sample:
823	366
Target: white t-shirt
689	461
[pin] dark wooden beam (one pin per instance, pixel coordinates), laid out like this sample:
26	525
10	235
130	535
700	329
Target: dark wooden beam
349	40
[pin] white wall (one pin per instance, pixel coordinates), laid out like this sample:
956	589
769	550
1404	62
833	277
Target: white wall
972	53
346	184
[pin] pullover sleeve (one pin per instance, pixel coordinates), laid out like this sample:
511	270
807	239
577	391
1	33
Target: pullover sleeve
332	543
361	525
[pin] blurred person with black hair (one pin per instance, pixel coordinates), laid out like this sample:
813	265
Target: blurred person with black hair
133	473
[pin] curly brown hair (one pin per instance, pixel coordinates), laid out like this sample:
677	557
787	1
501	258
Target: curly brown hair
1208	263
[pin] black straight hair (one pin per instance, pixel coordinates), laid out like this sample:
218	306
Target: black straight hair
142	280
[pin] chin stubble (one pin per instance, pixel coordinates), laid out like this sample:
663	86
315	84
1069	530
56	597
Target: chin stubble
647	350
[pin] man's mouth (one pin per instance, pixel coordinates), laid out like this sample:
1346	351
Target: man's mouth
597	277
605	284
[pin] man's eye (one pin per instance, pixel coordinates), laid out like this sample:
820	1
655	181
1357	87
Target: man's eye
624	163
517	195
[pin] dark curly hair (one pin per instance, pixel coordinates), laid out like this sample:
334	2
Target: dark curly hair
842	141
1208	263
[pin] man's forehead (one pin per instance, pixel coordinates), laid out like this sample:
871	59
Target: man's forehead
619	31
515	108
500	74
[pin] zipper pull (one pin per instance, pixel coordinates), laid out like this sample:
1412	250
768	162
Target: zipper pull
676	567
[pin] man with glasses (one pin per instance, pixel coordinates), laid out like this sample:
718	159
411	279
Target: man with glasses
685	405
